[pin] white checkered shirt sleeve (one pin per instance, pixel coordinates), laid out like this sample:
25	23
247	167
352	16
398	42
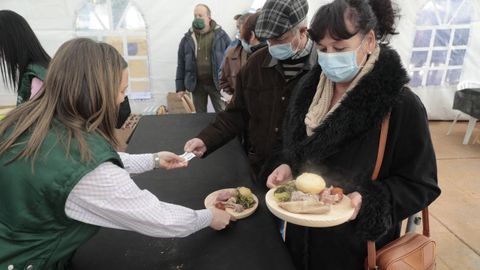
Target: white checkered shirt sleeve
136	164
108	197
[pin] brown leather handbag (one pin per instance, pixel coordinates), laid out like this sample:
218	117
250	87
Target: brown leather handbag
412	251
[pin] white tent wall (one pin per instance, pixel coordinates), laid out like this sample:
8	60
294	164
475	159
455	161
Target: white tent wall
438	100
167	21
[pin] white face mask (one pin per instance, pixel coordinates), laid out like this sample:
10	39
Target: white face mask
340	67
282	51
247	47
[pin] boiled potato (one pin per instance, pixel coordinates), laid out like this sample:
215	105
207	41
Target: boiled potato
310	183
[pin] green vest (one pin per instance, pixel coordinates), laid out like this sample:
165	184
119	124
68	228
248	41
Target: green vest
35	232
25	83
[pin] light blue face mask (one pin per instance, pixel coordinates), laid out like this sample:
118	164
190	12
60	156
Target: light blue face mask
339	67
281	51
246	46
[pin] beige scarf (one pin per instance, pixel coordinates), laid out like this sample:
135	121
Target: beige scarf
319	108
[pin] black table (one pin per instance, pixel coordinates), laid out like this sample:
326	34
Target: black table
468	101
251	243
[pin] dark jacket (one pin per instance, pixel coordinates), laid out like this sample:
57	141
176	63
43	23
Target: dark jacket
235	58
186	78
343	150
257	107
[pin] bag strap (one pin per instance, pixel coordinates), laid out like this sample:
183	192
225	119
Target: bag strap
372	251
381	146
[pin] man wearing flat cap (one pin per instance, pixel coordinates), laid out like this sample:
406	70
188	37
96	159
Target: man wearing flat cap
264	86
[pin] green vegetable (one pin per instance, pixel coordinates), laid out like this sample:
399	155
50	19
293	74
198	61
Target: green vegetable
282	196
283	193
245	197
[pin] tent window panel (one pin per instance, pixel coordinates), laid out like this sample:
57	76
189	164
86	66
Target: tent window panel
434	77
422	38
441	8
118	8
461	37
439	58
120	24
138	68
133	19
419	58
443	30
456	57
140	86
464	14
454	9
442	38
428	16
416	79
116	42
88	20
102	13
137	46
453	76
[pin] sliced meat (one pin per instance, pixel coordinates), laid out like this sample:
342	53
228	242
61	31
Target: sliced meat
329	197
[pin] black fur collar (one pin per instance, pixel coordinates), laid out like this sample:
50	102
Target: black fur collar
362	109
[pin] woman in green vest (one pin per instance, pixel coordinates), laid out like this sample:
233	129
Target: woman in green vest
60	177
23	61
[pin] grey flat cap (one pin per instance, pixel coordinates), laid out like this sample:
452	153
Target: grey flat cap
279	16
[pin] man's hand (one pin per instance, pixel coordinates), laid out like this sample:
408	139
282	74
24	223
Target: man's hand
170	161
356	199
280	175
220	219
196	146
180	94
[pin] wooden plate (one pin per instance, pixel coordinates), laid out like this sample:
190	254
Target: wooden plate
212	197
339	213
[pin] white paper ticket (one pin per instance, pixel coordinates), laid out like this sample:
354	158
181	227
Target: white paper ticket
188	156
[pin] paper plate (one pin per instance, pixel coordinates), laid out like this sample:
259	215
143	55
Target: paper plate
212	197
339	213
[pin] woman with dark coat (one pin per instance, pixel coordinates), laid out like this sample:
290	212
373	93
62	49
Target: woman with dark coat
332	128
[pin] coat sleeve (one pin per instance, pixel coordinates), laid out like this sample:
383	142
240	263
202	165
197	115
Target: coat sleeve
180	76
225	72
408	177
226	41
229	123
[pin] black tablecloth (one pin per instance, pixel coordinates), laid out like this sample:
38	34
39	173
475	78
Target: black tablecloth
468	101
251	243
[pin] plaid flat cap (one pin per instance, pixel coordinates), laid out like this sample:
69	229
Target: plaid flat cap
279	16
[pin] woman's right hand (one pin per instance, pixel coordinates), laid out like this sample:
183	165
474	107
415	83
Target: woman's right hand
280	175
170	161
220	219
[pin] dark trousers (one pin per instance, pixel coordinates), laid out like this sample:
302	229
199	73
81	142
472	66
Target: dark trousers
200	98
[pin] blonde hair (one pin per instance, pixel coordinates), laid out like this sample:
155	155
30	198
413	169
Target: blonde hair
79	91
